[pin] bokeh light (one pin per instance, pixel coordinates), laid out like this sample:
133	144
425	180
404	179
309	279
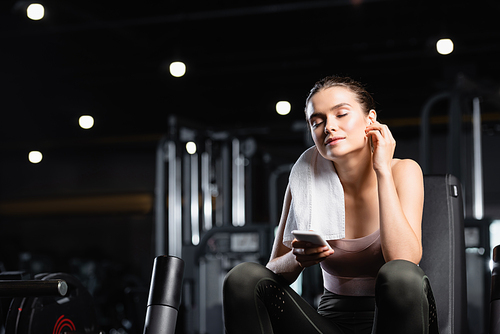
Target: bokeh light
35	11
283	107
86	121
35	157
177	69
444	46
191	147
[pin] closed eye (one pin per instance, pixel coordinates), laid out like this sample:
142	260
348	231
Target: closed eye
315	121
342	115
314	125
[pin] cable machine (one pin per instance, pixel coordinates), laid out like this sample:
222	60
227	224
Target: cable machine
202	215
464	160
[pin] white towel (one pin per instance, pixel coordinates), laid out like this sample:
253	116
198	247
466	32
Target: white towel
317	198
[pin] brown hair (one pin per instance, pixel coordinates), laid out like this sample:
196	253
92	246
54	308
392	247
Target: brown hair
362	96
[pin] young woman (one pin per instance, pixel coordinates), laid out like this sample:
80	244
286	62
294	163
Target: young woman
371	218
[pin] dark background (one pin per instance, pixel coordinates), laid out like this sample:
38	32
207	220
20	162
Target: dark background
87	208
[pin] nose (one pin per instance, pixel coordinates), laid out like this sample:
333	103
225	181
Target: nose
330	125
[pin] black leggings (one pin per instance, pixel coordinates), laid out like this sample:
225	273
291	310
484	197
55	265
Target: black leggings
258	301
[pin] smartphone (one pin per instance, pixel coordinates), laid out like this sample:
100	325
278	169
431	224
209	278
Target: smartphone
310	236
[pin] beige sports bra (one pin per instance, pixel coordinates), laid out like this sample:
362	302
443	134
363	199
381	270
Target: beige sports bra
352	269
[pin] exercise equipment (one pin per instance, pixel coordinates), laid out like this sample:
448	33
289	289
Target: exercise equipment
33	288
52	303
207	192
443	258
164	295
495	293
463	159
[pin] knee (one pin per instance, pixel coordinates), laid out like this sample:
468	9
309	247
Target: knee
399	283
244	277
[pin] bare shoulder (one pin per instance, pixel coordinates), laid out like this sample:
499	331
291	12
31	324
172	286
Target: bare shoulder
405	165
406	172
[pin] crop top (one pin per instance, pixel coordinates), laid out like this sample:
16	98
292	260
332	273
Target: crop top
351	270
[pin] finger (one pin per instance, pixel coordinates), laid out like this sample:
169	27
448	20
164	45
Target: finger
381	134
306	263
311	253
375	135
313	250
301	244
383	129
372	131
374	127
308	260
304	244
299	251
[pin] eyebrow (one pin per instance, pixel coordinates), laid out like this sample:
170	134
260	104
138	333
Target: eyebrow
337	106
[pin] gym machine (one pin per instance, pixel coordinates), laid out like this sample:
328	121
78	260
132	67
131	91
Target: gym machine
58	303
50	303
464	154
202	215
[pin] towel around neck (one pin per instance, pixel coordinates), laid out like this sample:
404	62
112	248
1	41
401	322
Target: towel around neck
317	198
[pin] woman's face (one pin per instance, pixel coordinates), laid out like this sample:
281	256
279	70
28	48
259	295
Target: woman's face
338	122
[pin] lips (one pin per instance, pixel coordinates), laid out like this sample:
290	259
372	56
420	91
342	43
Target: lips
333	140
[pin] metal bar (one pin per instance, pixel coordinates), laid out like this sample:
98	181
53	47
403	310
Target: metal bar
160	199
174	202
195	206
220	180
186	194
425	130
203	296
477	194
33	288
225	197
238	186
206	191
455	137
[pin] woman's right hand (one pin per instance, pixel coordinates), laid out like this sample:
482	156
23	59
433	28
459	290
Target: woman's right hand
307	254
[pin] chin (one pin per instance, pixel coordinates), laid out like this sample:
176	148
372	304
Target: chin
329	155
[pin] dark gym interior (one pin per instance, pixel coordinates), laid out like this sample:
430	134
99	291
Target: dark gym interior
103	202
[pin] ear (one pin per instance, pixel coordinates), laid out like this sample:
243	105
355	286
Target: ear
372	116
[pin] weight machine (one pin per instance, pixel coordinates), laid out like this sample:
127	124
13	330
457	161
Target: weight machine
202	215
50	303
464	159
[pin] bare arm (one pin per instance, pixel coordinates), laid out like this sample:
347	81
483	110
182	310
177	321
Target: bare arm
401	195
287	262
401	198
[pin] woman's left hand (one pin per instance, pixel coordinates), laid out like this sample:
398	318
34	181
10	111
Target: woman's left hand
383	146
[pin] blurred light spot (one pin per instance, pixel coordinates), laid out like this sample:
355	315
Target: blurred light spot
444	46
35	157
86	121
283	107
35	11
191	147
177	69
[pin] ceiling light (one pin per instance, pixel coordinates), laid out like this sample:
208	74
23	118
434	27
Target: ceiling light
444	46
283	107
177	69
86	121
35	11
35	157
191	147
